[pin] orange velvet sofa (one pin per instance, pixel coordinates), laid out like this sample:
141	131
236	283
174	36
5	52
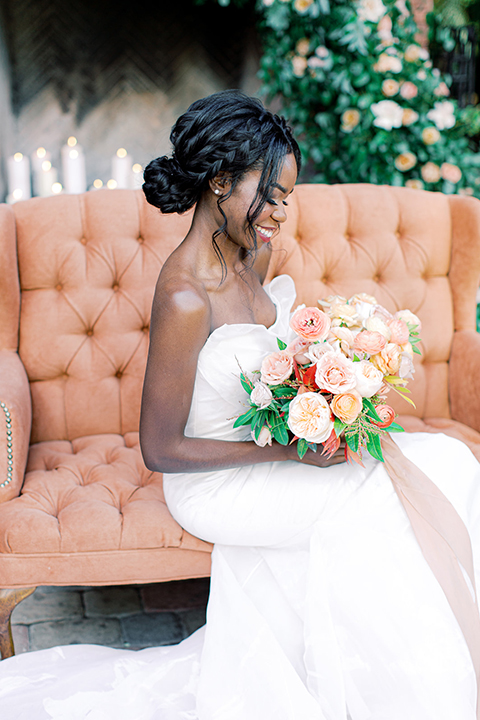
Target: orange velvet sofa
77	504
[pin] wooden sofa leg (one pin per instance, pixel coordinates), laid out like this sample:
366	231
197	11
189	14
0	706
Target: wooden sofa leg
8	601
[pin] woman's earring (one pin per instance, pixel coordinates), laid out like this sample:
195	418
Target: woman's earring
216	191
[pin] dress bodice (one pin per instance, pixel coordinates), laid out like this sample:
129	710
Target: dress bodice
218	396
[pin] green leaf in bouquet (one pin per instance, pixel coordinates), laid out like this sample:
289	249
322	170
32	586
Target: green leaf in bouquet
280	433
312	446
416	350
246	418
370	407
374	447
281	344
352	440
302	447
259	419
246	383
395	427
339	427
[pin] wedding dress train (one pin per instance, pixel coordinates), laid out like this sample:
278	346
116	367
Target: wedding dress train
322	605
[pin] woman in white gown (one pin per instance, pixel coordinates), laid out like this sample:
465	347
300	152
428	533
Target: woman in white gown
322	604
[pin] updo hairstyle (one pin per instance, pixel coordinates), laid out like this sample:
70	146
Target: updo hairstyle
227	132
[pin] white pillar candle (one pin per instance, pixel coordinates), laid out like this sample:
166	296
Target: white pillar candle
18	173
122	169
137	170
46	179
73	167
38	158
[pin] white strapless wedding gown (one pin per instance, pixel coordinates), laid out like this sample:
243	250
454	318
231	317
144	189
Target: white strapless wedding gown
322	605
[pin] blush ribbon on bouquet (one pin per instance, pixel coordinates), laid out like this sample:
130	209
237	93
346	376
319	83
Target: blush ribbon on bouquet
444	541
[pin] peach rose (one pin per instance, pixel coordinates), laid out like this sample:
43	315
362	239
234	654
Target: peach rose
276	368
399	331
369	341
413	53
347	406
310	417
298	349
342	313
303	46
409	90
310	323
264	437
369	378
450	172
335	373
387	360
387	415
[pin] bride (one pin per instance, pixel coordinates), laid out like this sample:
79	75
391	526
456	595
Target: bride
323	604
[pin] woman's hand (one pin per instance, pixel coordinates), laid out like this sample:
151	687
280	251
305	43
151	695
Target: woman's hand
316	458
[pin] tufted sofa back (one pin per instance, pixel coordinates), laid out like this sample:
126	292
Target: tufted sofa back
88	266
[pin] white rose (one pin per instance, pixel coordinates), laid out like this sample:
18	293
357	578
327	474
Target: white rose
369	378
374	324
316	351
264	437
406	369
409	318
310	417
261	395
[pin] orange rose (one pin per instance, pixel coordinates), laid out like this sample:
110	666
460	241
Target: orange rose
347	406
310	323
387	360
387	415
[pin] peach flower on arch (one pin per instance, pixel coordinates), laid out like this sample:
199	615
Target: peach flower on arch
405	161
409	90
450	172
431	172
415	184
409	117
430	135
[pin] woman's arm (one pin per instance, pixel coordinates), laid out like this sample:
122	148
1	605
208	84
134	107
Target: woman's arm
179	328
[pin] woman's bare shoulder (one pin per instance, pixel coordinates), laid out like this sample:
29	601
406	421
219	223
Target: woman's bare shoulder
181	296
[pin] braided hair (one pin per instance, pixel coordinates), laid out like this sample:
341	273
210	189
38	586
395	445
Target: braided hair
228	132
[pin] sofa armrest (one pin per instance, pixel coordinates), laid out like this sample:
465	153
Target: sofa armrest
15	424
464	378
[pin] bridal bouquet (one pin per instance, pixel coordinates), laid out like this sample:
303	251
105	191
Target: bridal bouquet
333	378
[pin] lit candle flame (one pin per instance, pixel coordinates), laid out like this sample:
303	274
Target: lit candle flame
72	141
73	154
46	165
57	188
18	157
137	168
121	153
17	194
97	183
112	184
41	152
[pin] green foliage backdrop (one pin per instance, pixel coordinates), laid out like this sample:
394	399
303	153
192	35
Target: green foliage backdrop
363	97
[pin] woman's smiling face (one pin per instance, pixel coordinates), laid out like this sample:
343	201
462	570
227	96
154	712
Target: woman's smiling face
273	213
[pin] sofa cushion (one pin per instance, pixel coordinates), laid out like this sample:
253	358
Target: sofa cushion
91	494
